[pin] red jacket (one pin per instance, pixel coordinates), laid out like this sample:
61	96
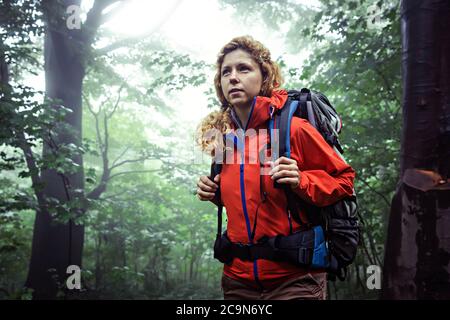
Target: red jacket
325	178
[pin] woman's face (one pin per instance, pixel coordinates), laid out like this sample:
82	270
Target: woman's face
241	78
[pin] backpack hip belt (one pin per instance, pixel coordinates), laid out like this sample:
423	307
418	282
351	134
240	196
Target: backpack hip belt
306	248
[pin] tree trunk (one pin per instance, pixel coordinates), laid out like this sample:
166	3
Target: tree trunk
58	245
417	256
98	265
191	267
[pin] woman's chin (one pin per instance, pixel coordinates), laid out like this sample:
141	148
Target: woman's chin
239	103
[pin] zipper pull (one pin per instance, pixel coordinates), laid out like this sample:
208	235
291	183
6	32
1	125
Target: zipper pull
271	111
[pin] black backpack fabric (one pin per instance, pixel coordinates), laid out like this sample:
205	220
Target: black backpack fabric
339	220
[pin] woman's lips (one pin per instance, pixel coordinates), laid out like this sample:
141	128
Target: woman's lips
235	92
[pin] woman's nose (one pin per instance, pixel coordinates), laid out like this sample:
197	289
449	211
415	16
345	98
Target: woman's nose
234	77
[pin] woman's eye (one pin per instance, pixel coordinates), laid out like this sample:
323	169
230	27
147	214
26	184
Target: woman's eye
225	72
245	68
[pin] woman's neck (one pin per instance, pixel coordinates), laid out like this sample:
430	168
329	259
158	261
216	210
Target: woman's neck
243	114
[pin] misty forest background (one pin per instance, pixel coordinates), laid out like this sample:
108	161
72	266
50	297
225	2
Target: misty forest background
129	200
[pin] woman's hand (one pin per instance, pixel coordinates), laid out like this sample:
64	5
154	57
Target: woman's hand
285	170
206	188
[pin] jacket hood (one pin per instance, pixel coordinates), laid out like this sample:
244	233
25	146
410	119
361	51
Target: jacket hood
262	109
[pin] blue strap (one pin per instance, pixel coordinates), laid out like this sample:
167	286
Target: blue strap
320	255
292	108
273	151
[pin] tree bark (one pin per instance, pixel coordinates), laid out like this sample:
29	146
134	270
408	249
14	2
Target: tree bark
417	255
58	245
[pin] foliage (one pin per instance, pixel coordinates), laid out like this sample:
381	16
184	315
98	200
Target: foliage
147	236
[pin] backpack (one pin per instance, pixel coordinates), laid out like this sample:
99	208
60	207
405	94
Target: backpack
333	232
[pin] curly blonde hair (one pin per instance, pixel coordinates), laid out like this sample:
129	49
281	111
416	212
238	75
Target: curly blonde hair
211	128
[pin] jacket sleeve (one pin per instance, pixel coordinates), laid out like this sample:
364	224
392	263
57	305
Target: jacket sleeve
324	176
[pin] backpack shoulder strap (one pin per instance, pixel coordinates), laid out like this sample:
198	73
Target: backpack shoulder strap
282	121
216	168
280	140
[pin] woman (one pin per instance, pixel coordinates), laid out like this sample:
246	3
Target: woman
247	84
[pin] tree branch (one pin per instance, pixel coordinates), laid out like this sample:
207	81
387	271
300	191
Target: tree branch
366	250
95	194
117	101
106	140
132	171
97	129
103	144
121	155
129	161
113	12
375	191
132	40
32	167
387	85
115	194
94	19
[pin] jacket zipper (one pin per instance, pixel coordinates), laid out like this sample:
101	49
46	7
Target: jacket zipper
243	199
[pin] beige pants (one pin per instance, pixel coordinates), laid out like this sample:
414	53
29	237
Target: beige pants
309	286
